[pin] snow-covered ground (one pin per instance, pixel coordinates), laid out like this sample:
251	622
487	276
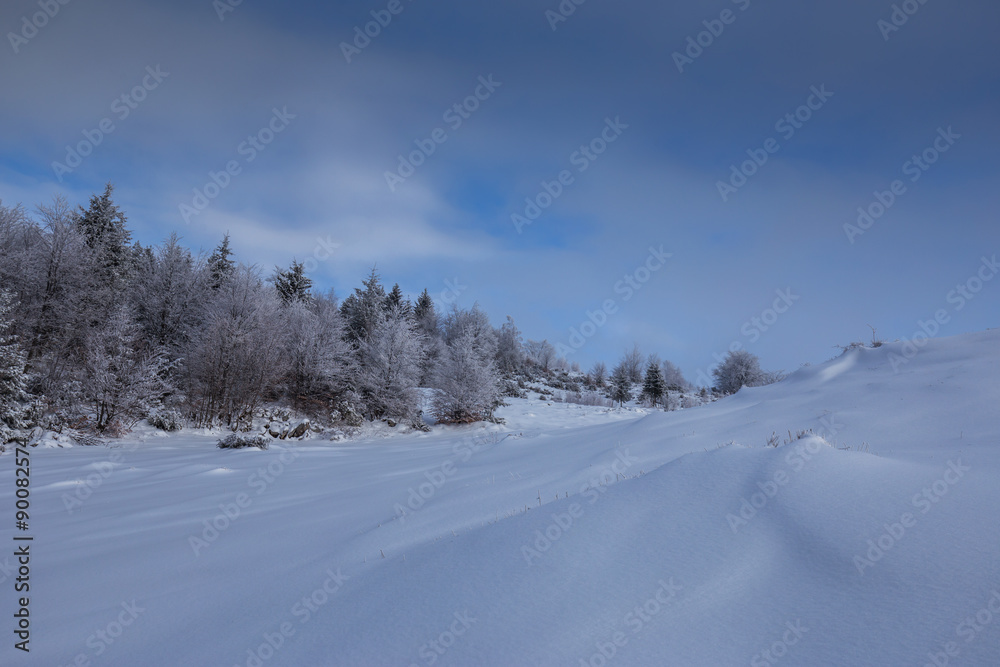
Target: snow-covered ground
570	535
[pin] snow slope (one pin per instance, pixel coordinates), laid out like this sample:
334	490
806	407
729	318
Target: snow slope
569	536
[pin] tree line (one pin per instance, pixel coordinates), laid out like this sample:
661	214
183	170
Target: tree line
100	332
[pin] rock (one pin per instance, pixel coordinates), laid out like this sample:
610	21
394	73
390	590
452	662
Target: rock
299	429
274	429
391	423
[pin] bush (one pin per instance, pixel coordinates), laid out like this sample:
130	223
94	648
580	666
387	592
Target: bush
742	369
167	420
241	441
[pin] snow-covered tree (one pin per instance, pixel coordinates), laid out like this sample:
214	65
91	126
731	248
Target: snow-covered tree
632	362
124	377
220	266
741	369
170	296
621	384
428	325
13	380
653	386
103	227
599	374
389	366
293	285
474	323
318	358
541	353
395	299
237	356
510	348
64	285
364	309
673	379
467	381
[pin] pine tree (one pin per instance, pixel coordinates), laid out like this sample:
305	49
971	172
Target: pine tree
103	227
429	326
220	267
395	299
13	380
653	386
293	285
363	309
425	315
621	384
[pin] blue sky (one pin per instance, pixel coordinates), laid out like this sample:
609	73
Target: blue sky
318	190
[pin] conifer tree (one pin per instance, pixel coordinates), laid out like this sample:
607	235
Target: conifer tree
653	386
395	299
103	227
621	384
220	267
293	285
13	380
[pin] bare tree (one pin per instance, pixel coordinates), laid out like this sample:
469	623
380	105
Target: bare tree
125	377
468	383
599	374
389	366
237	356
632	362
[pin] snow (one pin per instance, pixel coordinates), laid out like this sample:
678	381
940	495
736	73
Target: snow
569	535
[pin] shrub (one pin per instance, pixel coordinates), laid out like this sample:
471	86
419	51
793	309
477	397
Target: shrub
241	441
166	420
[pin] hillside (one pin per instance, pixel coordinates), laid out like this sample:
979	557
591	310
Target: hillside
569	535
